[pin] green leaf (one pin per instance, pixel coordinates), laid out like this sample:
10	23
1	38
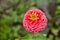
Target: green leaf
14	32
37	36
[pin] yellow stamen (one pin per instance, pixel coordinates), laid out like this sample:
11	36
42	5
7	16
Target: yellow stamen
33	16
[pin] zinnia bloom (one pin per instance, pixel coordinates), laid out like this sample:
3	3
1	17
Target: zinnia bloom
34	20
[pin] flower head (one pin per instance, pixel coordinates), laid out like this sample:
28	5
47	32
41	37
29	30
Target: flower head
34	21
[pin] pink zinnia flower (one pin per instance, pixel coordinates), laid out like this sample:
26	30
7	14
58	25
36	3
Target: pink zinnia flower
34	20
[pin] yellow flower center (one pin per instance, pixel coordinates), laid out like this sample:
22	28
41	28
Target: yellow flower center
33	16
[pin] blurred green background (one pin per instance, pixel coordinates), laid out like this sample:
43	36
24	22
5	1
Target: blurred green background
11	17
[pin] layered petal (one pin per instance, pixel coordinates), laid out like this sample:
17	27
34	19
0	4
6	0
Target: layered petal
34	21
